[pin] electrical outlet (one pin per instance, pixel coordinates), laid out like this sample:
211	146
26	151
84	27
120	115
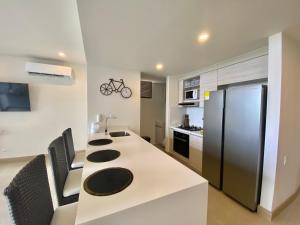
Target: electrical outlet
284	160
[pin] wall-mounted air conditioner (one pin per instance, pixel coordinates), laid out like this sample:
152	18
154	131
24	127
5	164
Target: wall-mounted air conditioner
50	70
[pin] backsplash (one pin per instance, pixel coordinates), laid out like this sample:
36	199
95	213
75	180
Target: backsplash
195	115
177	113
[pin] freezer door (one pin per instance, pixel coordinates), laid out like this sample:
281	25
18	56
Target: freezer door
243	143
212	138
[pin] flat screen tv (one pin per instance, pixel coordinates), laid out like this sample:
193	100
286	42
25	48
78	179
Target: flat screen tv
14	97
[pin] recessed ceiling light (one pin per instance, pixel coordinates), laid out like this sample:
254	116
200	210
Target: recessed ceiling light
203	37
61	54
159	66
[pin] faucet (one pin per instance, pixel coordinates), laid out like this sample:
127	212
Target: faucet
110	116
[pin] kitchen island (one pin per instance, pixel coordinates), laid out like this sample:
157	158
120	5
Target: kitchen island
162	192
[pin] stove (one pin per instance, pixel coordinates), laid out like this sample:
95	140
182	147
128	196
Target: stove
190	128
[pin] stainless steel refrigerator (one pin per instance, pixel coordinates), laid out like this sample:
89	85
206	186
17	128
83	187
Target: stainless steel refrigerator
233	142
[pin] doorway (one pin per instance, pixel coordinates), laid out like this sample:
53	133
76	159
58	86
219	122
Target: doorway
153	109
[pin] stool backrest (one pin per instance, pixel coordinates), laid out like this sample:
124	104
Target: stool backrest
69	144
29	196
60	168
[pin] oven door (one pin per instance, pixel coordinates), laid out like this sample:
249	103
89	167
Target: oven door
181	144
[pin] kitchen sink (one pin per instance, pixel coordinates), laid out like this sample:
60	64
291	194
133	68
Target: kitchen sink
119	134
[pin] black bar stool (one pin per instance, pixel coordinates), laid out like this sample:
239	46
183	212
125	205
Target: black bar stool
30	200
67	182
75	160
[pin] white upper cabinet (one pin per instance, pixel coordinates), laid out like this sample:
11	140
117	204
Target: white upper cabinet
208	82
180	91
252	69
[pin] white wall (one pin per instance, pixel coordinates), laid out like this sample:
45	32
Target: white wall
56	104
153	109
272	121
127	111
282	180
288	176
174	114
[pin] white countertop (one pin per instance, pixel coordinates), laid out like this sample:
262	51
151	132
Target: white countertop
195	133
155	175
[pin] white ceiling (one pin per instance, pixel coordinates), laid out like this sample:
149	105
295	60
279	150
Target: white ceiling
41	28
153	78
137	34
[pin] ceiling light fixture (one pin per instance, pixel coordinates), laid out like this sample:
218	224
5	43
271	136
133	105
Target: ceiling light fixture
61	54
203	37
159	66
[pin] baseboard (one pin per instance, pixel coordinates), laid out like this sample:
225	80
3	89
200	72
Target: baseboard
271	215
285	204
264	213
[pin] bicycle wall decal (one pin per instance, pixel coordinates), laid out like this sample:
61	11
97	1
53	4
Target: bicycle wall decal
115	86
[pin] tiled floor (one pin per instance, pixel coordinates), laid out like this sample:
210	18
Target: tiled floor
224	211
221	209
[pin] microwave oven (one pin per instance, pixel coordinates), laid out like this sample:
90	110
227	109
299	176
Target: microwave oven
191	95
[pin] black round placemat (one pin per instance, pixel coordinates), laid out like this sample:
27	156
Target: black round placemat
103	155
98	142
108	181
